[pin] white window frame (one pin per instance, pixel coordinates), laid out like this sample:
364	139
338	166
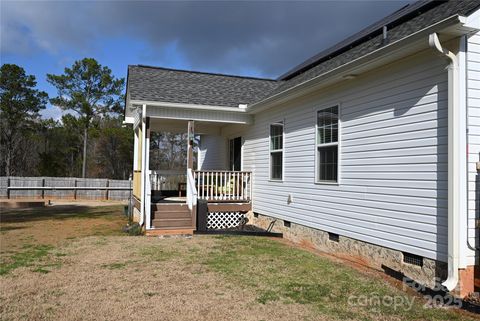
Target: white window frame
338	143
270	151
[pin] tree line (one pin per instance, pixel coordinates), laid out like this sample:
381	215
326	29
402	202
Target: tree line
88	141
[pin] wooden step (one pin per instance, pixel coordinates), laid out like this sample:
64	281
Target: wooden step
172	222
169	231
169	207
170	214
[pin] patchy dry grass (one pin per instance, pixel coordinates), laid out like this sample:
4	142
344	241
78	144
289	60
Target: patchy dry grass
53	225
89	275
29	238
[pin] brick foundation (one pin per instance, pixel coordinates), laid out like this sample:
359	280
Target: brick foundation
466	284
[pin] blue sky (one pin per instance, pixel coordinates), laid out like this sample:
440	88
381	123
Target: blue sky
262	39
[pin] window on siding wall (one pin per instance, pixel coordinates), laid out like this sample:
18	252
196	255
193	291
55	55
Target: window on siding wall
276	151
327	145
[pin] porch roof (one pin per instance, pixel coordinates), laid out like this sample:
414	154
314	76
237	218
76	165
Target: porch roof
166	85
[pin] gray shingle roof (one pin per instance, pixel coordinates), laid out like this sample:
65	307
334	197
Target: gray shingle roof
170	85
188	87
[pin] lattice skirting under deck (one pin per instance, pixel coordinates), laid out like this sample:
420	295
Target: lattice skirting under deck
223	220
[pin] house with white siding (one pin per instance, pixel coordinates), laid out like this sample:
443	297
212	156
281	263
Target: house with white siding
369	149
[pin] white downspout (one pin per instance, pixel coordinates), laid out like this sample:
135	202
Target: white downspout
143	140
453	163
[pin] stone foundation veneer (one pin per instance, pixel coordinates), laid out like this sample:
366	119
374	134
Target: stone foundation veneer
367	254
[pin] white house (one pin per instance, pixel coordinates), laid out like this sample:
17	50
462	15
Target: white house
369	149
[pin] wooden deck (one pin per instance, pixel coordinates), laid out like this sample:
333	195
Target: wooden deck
225	192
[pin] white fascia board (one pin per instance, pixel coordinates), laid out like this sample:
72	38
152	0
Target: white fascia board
188	106
361	62
198	113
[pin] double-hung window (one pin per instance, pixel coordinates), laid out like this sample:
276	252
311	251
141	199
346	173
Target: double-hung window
327	145
276	151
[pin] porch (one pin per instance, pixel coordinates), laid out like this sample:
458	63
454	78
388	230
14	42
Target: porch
227	195
166	201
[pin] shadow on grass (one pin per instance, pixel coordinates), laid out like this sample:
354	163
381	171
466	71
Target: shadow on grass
4	228
59	212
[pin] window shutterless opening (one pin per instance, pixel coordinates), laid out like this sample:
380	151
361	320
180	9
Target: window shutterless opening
235	151
327	137
276	151
287	223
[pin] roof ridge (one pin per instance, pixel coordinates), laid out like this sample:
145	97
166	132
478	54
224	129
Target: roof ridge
204	72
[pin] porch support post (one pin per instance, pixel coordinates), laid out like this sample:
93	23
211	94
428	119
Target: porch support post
191	135
148	186
145	173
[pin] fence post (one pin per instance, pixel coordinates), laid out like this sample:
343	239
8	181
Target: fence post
106	190
75	189
8	185
43	189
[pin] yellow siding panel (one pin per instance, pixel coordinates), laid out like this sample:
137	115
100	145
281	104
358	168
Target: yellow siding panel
137	183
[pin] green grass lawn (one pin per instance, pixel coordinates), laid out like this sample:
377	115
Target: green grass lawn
278	272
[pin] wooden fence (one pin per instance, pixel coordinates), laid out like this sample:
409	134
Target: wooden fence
64	188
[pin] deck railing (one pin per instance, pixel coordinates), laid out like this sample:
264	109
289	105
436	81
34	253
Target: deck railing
233	186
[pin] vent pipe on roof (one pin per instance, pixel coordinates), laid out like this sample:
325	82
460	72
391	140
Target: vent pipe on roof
385	35
453	163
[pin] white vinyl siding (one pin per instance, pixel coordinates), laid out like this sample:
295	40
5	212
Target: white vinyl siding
393	159
212	153
473	123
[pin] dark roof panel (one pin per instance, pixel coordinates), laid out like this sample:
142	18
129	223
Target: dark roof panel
437	13
363	35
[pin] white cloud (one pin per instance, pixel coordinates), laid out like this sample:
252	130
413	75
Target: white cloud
52	112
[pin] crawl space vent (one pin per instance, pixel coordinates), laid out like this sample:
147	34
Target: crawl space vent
412	259
334	237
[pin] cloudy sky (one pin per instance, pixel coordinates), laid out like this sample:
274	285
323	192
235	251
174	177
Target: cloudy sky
262	39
